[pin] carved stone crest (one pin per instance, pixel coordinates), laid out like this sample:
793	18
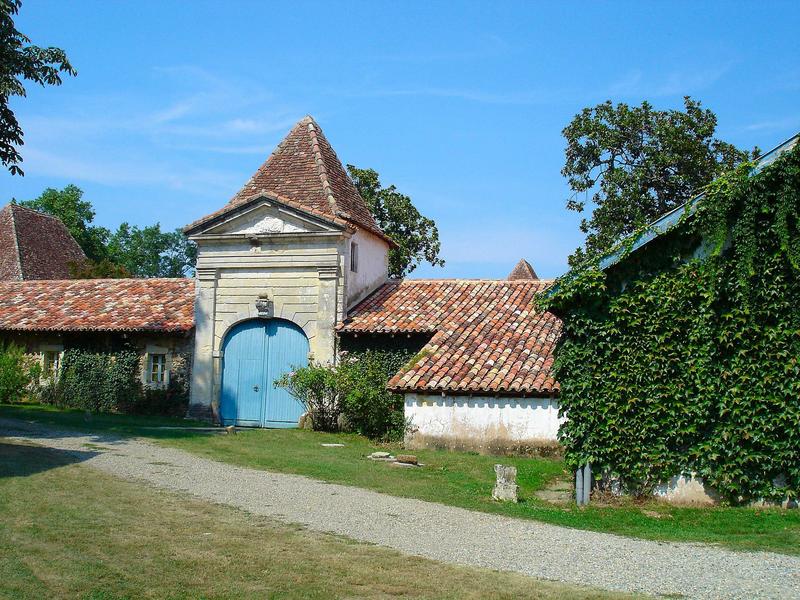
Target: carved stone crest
264	306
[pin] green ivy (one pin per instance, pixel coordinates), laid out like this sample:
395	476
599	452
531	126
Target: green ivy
677	361
99	381
103	381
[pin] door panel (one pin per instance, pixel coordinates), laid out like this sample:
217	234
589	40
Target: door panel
287	350
250	395
243	374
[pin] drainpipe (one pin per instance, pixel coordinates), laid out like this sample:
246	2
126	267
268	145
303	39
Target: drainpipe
583	484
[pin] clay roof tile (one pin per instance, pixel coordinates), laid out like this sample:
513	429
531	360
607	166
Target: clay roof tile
488	337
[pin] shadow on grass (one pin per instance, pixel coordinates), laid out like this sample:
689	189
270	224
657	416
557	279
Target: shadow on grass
107	427
21	460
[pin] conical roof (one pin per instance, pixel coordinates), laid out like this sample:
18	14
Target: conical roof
305	169
522	270
34	245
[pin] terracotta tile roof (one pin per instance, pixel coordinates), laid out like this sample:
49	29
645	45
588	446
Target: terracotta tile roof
97	305
305	169
34	245
488	337
522	270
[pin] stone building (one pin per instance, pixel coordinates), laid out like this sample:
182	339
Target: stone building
293	250
153	316
296	258
481	378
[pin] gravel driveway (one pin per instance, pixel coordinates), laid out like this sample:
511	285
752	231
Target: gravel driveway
436	531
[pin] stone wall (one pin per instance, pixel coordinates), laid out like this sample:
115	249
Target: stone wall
177	346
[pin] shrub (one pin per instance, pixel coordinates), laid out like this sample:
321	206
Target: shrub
368	407
17	373
354	390
316	387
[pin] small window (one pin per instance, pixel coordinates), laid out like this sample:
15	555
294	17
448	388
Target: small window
354	257
51	363
157	368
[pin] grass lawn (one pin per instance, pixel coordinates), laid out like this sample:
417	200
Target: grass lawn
454	478
68	531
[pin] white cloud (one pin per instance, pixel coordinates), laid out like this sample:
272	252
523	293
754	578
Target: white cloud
788	123
119	139
124	171
635	84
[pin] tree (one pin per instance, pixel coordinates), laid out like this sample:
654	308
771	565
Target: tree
130	251
101	269
638	163
77	214
20	61
417	236
150	252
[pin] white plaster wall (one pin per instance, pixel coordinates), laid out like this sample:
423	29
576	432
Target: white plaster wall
686	489
481	420
373	266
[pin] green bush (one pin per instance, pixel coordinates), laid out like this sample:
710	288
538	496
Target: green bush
317	388
17	373
352	395
367	406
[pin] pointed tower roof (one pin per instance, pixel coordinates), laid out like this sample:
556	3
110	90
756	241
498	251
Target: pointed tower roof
305	170
522	270
34	245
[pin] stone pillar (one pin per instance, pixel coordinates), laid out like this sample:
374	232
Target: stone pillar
202	402
506	488
325	341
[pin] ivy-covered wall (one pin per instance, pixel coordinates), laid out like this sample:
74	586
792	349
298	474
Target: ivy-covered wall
107	371
685	356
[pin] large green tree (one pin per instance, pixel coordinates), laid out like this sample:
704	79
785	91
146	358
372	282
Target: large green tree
633	163
150	252
21	61
130	251
77	214
417	236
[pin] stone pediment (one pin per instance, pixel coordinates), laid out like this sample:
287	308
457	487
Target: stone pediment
268	217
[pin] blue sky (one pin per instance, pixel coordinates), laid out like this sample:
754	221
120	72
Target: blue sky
461	105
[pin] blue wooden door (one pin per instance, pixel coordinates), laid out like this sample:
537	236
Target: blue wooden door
288	349
255	354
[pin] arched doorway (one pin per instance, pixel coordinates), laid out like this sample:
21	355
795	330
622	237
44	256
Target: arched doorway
255	354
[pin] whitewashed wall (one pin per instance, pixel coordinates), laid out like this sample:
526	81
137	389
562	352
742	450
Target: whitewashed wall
373	266
480	421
